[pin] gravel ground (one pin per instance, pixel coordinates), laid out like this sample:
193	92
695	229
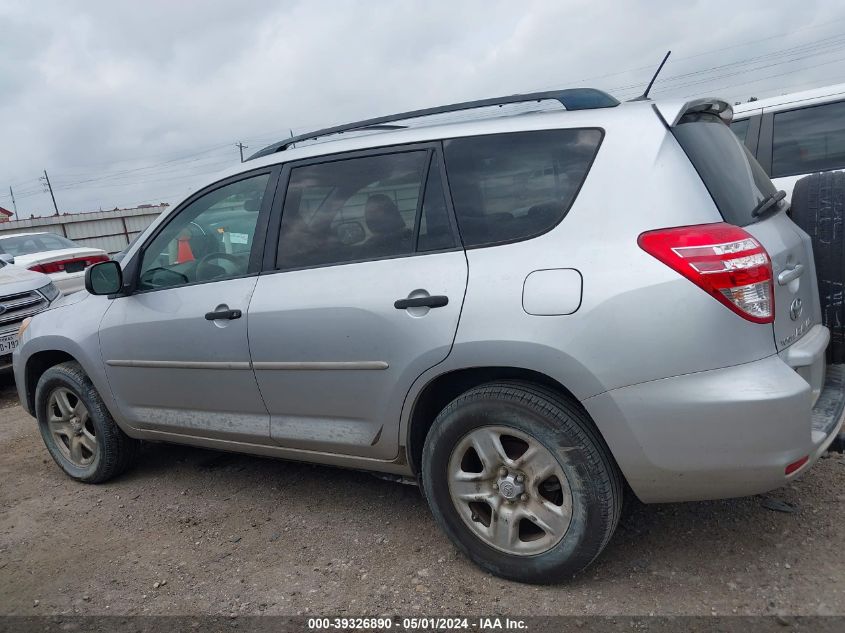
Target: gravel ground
191	531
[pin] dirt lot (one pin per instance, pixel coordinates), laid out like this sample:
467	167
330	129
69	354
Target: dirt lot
191	531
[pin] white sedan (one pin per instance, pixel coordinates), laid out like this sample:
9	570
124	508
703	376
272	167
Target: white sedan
60	258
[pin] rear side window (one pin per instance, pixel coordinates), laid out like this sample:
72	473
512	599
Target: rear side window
508	187
731	174
809	140
351	210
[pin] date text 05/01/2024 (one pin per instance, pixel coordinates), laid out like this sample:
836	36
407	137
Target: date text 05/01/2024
418	623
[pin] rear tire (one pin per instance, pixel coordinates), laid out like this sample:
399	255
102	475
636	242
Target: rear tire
520	480
77	429
818	205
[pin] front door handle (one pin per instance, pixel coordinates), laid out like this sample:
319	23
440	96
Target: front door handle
223	314
433	301
789	274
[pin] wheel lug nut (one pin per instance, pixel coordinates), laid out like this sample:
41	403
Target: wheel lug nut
523	497
495	486
503	471
520	479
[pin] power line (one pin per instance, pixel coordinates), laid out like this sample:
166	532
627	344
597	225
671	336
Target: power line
811	50
188	158
753	81
764	94
196	166
719	50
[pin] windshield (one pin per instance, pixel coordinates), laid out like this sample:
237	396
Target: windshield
16	245
731	174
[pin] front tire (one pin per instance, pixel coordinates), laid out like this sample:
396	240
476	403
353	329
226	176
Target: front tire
77	429
520	480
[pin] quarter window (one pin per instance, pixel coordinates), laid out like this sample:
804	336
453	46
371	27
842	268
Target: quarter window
435	229
809	140
740	128
210	239
508	187
351	210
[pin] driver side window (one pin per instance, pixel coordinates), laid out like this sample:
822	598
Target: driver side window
210	239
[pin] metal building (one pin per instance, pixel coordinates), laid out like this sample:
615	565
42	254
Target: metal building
111	231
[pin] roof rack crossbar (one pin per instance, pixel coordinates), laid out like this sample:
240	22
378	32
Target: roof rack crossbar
571	99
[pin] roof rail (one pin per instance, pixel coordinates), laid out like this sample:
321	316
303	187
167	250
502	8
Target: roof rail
571	99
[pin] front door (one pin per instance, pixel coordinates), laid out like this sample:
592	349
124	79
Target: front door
176	350
366	294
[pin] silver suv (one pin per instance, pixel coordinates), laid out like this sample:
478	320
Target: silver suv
522	313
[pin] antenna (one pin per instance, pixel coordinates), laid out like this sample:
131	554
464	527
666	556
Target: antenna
644	96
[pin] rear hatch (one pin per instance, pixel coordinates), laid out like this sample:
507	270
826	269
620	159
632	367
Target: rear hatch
747	198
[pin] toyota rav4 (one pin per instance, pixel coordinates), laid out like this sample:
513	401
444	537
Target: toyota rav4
528	315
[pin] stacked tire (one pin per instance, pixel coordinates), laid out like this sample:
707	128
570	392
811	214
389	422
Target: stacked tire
818	205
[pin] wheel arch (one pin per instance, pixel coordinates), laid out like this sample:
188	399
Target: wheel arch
35	367
445	387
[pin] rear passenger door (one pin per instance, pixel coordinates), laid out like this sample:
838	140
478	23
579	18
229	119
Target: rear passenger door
364	278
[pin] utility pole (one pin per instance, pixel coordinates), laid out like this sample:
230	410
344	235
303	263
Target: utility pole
14	204
46	179
241	147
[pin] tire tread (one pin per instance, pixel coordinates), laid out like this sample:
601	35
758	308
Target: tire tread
818	207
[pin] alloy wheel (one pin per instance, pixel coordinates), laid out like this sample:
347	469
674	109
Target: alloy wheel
510	490
71	427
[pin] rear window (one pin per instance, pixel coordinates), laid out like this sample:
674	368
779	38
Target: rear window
731	174
508	187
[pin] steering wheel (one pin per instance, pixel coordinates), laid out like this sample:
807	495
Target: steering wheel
203	265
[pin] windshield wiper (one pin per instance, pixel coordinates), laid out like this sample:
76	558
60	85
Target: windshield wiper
767	203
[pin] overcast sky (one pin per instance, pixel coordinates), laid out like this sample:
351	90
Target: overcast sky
131	102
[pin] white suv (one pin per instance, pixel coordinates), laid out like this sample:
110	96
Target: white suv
799	139
796	134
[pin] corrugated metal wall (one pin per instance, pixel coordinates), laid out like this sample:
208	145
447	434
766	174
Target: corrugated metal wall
108	230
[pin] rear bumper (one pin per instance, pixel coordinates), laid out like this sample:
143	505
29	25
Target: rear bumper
724	433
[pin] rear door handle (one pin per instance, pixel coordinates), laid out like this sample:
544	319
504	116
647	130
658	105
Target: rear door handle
434	301
790	273
223	314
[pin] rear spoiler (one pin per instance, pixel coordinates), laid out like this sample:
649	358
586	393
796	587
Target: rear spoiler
673	111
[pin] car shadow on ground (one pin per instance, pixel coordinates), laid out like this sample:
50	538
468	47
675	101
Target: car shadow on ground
659	539
663	540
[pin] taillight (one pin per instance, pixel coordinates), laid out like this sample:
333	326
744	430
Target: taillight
722	259
59	266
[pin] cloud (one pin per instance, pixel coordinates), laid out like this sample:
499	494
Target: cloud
131	102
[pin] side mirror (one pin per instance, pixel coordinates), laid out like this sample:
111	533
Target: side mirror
6	258
104	278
